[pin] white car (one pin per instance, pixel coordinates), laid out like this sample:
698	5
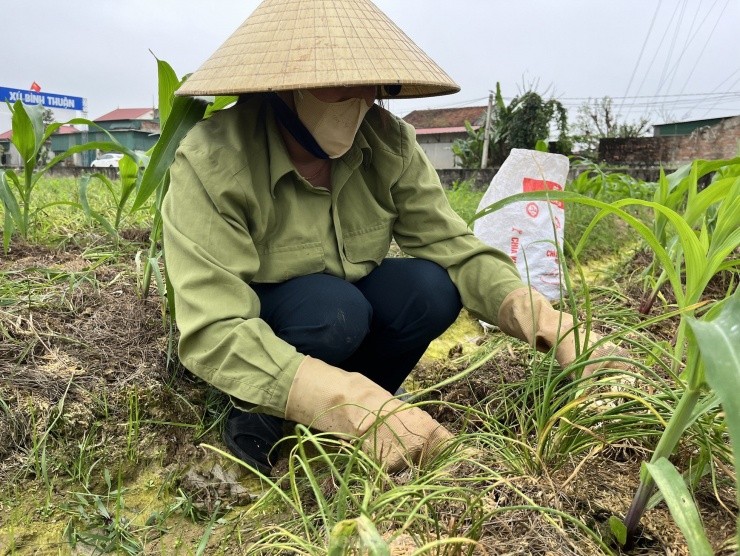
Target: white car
107	160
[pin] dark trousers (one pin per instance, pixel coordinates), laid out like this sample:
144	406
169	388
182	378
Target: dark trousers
378	326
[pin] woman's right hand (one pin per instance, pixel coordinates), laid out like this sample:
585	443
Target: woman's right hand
394	433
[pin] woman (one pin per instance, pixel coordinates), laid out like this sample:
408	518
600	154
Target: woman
278	221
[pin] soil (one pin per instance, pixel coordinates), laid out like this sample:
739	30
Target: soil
84	355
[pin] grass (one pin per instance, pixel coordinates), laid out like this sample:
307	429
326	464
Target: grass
112	450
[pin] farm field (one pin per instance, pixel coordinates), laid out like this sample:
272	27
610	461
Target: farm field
110	446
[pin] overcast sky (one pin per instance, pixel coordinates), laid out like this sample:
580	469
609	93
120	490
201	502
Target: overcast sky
666	60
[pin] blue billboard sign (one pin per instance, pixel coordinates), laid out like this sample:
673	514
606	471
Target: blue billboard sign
50	100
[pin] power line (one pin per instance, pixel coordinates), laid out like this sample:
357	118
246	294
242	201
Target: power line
642	51
706	43
690	36
652	61
665	72
675	101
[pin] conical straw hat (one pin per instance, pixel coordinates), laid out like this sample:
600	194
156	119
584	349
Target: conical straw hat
303	44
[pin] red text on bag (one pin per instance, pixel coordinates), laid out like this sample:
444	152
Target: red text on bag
532	184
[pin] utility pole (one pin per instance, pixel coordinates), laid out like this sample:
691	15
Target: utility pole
487	136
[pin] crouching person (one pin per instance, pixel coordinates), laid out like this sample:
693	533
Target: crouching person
278	222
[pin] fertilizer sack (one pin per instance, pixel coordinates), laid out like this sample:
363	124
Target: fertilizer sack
530	232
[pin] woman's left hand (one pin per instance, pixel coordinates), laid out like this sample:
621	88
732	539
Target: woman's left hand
526	314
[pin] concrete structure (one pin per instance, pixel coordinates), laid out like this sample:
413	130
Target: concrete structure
437	129
676	144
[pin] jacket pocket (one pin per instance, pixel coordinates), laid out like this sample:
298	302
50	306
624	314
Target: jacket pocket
369	244
281	263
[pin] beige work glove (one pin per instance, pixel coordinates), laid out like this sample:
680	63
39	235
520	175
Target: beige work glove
531	318
332	400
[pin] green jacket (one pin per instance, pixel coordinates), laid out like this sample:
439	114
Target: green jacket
238	212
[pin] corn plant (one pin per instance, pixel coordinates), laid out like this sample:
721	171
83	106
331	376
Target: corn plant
680	191
29	137
130	178
594	181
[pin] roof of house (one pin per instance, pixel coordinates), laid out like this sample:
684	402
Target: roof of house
66	130
706	121
127	114
433	130
63	130
447	117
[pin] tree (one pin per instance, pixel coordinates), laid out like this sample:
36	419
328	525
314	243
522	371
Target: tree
45	153
526	120
597	120
469	151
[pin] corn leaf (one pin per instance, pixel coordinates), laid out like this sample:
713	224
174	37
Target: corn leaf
681	505
28	130
719	344
82	188
12	208
186	112
219	104
12	212
167	85
129	172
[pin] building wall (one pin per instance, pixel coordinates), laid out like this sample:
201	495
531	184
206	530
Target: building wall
438	148
9	157
710	143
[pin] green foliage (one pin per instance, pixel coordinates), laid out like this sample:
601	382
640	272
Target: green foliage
690	259
524	124
130	177
469	151
177	116
606	239
611	234
353	535
718	340
464	199
597	182
527	120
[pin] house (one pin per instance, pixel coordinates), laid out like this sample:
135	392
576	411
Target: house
437	129
675	144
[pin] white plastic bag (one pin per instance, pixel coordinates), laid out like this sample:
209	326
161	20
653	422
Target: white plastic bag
528	231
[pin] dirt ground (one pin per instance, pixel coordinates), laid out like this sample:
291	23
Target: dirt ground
82	353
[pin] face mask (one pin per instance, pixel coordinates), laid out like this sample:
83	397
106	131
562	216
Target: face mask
333	124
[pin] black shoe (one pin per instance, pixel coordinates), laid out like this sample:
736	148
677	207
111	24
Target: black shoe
252	436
